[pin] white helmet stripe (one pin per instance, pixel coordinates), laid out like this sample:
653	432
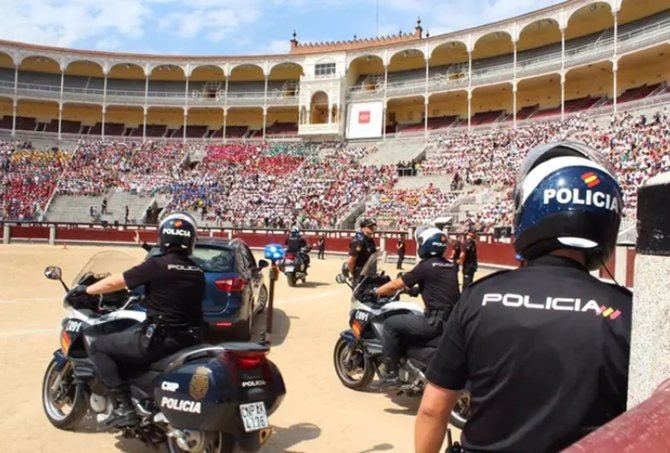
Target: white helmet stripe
537	174
178	216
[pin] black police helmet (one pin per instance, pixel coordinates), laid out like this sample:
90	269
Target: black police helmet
566	198
177	230
367	223
431	242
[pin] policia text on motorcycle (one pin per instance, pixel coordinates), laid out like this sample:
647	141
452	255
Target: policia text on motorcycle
437	280
361	247
174	286
544	349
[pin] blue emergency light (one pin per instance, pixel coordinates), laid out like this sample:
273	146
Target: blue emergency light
274	252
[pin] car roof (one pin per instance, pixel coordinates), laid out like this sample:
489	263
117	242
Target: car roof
218	242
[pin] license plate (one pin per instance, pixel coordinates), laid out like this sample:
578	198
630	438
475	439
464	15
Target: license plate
254	416
289	269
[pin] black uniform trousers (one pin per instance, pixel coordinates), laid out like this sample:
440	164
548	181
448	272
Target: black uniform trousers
468	274
401	258
402	329
322	251
133	346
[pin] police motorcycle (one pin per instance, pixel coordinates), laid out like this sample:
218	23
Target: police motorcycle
294	266
205	398
358	354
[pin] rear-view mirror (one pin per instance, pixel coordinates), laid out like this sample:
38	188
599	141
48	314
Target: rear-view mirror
53	272
262	264
340	278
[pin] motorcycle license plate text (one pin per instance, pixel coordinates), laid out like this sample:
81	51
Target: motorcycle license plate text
290	269
254	416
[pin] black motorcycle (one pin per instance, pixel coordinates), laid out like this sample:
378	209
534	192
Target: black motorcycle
205	398
358	354
294	266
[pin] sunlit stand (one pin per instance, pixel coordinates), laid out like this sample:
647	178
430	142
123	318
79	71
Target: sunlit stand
274	253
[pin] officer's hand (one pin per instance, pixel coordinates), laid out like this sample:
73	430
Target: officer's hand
77	297
414	291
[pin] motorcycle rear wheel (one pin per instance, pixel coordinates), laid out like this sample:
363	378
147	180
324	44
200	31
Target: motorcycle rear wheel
67	394
215	443
291	280
364	370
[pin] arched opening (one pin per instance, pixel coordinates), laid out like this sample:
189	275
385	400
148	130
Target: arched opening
244	122
366	74
6	61
541	33
491	104
538	96
405	114
448	66
497	43
121	121
83	76
40	116
167	81
632	10
6	113
207	84
642	74
246	81
284	80
79	118
318	108
40	73
6	71
282	121
587	86
125	79
447	109
589	19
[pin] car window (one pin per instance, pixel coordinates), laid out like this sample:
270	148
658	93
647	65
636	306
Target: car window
214	260
250	257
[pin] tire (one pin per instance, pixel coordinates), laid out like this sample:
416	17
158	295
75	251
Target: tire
367	371
217	444
459	415
263	297
290	279
72	392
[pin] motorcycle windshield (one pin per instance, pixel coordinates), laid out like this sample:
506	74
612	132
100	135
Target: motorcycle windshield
370	268
104	264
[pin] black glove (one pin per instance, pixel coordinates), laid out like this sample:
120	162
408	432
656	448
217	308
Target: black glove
414	291
78	298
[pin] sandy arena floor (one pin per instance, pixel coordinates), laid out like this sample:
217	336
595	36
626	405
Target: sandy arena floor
317	415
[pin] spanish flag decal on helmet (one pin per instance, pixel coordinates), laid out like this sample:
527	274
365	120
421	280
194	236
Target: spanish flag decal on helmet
591	179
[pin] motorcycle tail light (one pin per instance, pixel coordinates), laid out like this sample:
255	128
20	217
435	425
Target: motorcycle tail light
65	342
231	285
290	256
246	360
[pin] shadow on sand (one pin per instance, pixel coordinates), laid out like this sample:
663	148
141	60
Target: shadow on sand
283	439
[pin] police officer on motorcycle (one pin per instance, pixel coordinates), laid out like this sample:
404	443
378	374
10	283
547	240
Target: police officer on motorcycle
544	348
295	244
361	247
175	287
437	280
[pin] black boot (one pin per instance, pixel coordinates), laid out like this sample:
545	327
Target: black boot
123	413
391	378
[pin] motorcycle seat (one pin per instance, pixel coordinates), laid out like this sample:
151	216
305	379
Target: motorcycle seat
184	355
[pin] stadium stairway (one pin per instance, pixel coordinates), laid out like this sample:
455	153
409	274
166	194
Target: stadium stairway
76	208
390	152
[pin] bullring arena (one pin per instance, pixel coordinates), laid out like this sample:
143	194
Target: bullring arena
408	129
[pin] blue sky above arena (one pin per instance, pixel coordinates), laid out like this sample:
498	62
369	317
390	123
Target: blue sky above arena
224	27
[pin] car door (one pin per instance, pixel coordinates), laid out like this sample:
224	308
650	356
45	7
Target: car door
256	273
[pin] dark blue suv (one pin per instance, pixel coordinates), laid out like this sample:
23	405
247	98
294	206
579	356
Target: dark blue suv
234	291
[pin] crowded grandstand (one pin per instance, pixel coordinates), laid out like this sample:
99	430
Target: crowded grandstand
408	128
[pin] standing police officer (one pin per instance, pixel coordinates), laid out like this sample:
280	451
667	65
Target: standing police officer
438	285
361	247
544	348
468	259
175	286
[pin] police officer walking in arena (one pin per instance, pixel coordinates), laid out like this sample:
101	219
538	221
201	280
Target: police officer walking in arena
544	348
361	247
438	285
468	259
175	287
401	251
455	256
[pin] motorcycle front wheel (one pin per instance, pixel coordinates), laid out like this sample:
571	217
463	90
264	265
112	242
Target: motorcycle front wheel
352	368
64	402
